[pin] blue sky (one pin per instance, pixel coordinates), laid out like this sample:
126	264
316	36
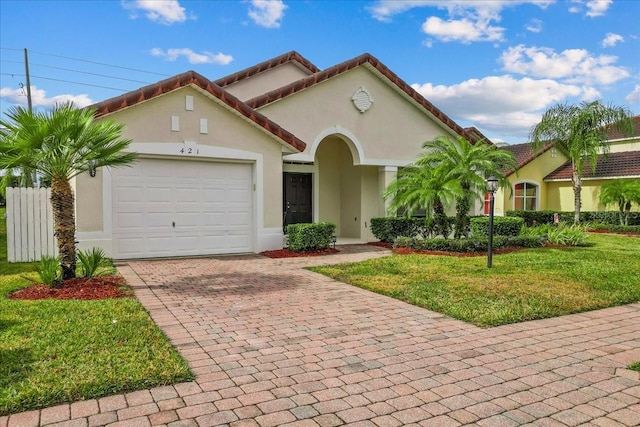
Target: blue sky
497	65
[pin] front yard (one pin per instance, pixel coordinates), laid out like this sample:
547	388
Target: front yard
523	285
54	351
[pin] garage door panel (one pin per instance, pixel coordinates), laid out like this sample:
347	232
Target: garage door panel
211	204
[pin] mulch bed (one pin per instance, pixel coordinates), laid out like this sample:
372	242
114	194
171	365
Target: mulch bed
286	253
94	288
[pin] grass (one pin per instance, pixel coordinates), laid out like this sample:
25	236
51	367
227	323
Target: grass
523	285
60	351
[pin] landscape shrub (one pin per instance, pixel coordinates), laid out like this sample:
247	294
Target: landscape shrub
49	270
533	218
472	244
91	261
614	228
568	236
387	229
308	237
502	226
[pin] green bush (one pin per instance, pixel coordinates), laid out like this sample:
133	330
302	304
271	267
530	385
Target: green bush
310	237
533	218
389	228
568	236
472	244
614	228
91	261
49	270
502	226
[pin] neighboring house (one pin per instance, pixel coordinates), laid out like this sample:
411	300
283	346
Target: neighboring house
225	164
543	180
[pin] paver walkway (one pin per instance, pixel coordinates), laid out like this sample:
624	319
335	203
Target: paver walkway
272	344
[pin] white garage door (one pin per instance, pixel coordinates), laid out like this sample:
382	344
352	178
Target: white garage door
167	208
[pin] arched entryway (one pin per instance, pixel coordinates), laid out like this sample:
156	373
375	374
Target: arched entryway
339	186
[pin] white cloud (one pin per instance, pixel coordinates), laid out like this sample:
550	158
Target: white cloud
611	39
39	97
163	11
502	103
535	26
462	30
594	7
193	57
572	65
634	95
597	7
267	13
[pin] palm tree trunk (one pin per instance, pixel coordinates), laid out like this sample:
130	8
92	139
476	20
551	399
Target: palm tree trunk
64	225
577	189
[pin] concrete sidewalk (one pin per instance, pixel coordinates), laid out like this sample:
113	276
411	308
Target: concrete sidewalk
273	344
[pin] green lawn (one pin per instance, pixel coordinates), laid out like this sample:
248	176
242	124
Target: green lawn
60	351
523	285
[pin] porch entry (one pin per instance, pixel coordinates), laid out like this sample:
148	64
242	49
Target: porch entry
297	198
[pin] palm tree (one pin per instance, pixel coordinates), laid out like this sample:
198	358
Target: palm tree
579	132
621	192
61	144
471	165
424	187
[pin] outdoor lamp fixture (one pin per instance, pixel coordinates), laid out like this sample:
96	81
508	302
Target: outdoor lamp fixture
492	186
92	168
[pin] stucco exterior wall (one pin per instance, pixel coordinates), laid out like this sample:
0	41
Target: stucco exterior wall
330	178
533	172
151	122
391	132
266	81
372	205
561	196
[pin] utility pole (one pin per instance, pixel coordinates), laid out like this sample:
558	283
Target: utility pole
26	71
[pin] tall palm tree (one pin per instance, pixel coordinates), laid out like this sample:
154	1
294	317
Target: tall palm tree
580	133
471	164
623	193
424	187
61	144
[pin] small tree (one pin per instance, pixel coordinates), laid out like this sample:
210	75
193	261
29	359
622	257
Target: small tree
61	144
623	193
580	133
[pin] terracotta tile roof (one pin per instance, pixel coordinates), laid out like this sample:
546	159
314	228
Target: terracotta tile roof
292	56
523	153
363	59
192	78
623	164
477	134
615	134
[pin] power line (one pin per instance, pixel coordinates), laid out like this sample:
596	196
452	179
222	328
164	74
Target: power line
79	71
66	81
89	62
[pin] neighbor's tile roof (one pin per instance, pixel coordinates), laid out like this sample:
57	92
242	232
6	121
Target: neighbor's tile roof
292	56
623	164
613	134
192	78
370	60
524	154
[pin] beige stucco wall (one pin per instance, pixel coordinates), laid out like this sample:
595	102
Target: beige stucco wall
392	130
561	196
533	172
330	178
150	122
266	81
624	145
371	202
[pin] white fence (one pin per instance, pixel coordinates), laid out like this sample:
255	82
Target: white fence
29	224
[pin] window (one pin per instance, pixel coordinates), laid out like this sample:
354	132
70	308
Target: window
526	197
487	203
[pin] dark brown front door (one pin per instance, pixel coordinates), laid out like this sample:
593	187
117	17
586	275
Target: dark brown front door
297	198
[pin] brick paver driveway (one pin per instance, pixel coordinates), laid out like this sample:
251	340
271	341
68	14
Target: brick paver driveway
273	344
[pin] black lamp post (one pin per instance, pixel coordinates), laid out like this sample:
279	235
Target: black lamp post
492	186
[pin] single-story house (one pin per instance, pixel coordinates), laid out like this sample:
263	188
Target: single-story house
543	179
224	164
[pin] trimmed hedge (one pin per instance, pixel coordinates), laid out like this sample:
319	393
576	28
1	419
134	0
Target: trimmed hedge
310	237
617	228
533	218
502	226
468	245
389	228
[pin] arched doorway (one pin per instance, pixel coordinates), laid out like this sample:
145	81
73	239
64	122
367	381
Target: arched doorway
339	184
